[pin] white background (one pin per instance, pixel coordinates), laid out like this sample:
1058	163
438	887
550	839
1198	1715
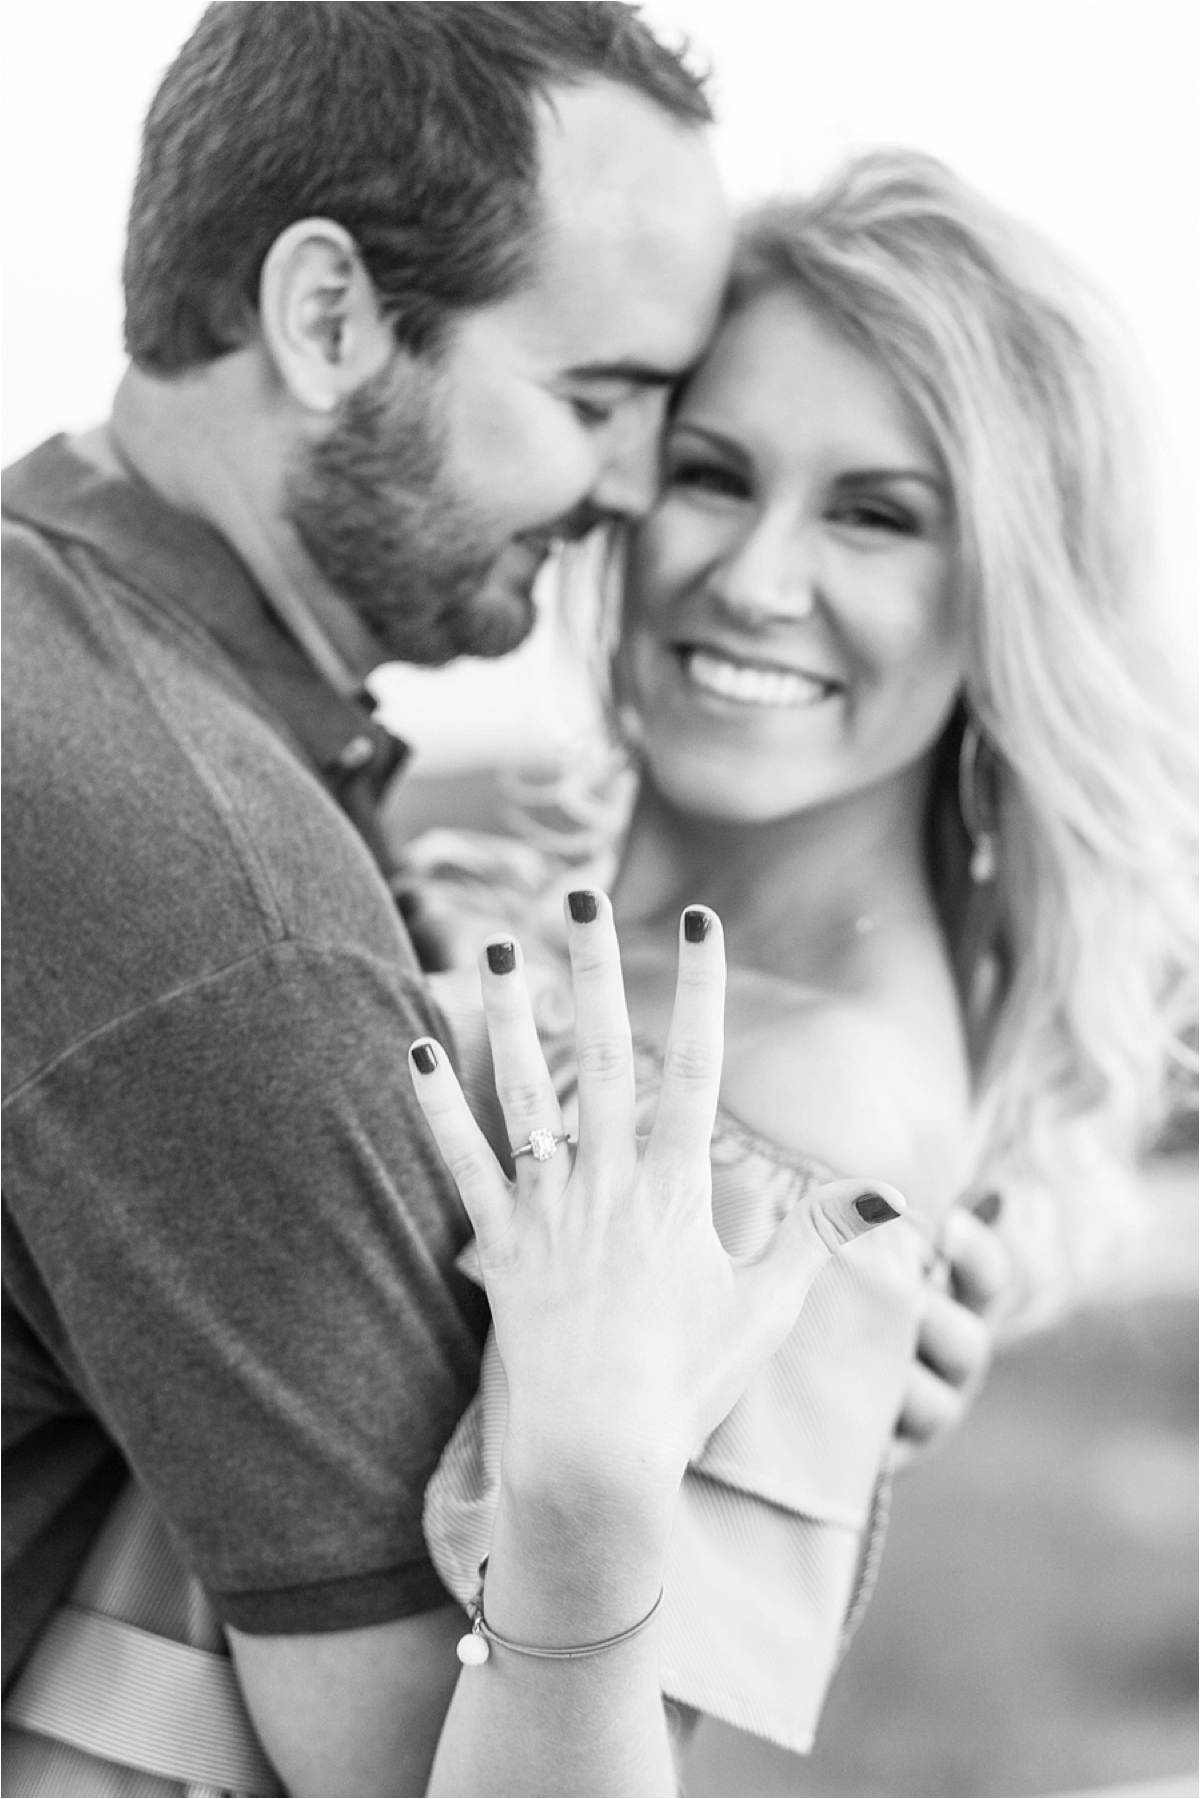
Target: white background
1080	115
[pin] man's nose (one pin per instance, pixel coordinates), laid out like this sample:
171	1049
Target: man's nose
769	573
630	460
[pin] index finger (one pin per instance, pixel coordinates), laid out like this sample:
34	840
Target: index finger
482	1184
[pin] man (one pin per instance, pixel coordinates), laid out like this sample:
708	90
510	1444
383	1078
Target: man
407	287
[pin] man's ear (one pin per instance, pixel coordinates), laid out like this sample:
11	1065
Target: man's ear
320	320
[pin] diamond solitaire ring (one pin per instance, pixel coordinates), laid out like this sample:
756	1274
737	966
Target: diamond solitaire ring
541	1145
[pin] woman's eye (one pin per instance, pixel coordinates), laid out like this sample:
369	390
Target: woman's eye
706	477
873	515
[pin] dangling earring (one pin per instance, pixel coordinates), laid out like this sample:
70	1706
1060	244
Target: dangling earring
977	806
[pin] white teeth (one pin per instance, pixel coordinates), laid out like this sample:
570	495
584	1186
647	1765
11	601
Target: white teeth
752	686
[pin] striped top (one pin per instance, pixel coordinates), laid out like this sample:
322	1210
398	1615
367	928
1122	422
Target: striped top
777	1528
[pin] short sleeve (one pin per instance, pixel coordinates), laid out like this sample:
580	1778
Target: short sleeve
244	1244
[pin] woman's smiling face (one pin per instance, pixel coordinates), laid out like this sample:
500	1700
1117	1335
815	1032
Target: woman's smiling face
790	631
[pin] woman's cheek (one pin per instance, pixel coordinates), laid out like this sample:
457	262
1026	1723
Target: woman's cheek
633	671
671	551
902	611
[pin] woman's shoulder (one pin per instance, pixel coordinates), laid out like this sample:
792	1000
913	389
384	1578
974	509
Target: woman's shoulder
467	885
856	1082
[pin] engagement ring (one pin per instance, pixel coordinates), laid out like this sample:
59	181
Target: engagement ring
541	1145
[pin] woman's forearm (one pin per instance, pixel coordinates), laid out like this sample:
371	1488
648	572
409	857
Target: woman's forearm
566	1567
625	1334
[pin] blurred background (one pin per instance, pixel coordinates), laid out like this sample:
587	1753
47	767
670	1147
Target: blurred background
1034	1630
1034	1626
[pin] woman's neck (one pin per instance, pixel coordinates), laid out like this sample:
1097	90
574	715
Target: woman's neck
803	897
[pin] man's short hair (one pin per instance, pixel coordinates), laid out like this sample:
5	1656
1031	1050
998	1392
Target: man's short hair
411	125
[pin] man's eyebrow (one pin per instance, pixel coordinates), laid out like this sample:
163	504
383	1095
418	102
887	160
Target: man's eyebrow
636	374
728	446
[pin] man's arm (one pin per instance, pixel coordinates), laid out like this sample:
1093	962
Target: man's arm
352	1711
363	1712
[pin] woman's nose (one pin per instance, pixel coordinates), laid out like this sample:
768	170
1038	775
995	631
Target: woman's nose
768	574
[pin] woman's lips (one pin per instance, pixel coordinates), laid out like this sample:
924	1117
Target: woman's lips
751	683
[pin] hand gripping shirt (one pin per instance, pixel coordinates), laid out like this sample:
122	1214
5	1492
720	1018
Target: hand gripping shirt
229	1240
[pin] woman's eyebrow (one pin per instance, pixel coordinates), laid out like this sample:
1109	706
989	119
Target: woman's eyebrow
874	477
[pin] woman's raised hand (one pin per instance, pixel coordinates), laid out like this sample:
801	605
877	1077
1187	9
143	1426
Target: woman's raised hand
626	1331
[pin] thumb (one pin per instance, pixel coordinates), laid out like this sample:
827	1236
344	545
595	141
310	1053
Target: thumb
826	1219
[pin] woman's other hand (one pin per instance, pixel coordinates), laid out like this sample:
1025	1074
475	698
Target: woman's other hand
625	1330
955	1337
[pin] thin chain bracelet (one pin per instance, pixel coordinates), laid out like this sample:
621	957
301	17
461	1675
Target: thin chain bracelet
473	1649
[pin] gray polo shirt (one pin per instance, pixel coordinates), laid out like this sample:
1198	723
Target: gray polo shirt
228	1237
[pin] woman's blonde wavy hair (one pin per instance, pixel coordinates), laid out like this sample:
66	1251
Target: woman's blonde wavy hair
1076	965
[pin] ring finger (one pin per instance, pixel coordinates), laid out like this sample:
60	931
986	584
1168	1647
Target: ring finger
532	1114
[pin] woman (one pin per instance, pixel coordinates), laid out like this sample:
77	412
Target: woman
883	674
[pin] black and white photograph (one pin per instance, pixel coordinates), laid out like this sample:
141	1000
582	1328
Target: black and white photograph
600	897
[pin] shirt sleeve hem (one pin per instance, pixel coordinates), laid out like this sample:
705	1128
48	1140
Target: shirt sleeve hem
348	1603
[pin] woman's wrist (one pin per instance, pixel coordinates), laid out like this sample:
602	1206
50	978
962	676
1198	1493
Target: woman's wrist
582	1478
577	1552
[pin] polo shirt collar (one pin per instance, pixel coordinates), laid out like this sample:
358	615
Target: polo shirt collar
183	566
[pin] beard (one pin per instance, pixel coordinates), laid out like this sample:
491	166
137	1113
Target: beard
376	509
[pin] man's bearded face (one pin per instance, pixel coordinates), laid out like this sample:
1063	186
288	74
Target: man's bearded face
377	510
432	502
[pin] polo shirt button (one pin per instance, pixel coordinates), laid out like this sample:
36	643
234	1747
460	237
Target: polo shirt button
357	753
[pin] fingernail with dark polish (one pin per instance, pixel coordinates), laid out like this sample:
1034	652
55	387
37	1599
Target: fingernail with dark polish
502	958
424	1057
873	1208
696	925
583	905
988	1209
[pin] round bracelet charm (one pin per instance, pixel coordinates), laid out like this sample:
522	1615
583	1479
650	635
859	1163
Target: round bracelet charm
472	1650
